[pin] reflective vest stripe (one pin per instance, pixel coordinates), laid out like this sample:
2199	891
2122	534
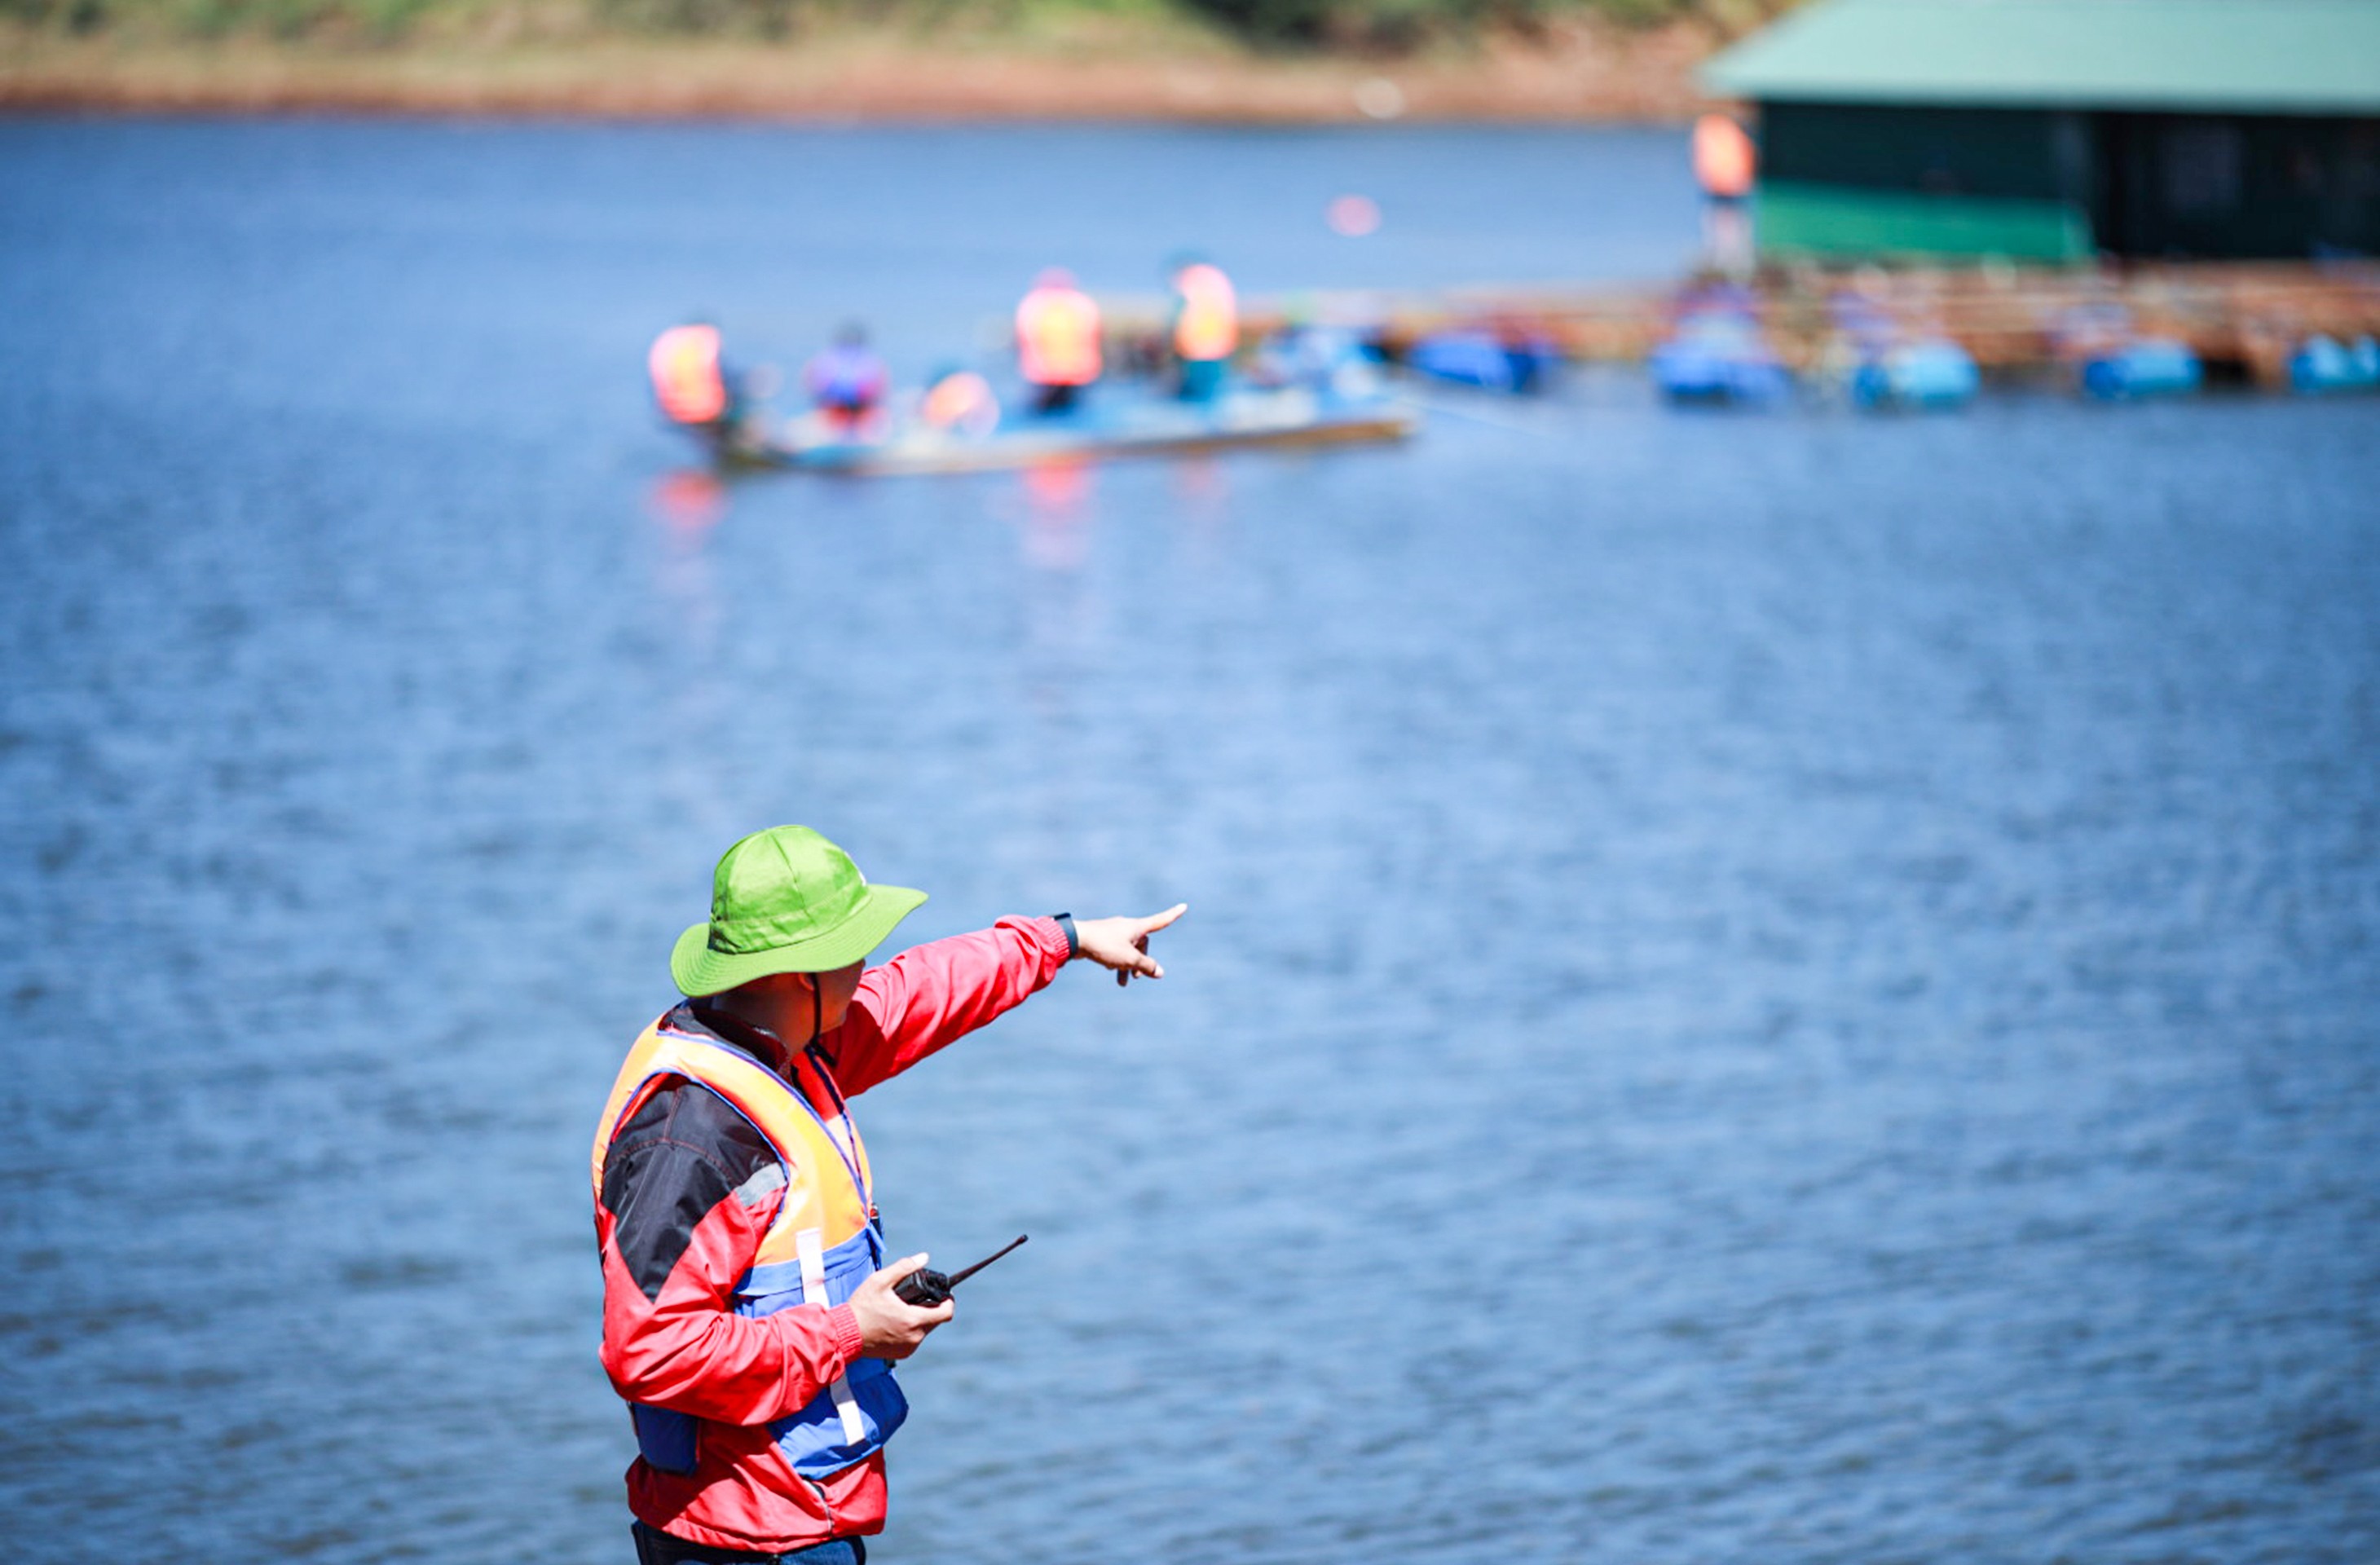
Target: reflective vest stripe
811	1244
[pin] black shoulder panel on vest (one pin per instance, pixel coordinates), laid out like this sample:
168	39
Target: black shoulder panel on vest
681	1154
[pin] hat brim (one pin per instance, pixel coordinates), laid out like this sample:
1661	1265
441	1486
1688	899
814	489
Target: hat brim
700	970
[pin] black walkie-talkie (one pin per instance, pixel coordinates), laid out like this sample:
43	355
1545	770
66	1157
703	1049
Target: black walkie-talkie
926	1287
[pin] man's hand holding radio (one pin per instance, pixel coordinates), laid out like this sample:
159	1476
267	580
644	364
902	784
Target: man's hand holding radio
889	1327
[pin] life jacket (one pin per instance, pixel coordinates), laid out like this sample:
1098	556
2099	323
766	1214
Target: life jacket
1723	157
1057	337
1206	321
685	365
825	1242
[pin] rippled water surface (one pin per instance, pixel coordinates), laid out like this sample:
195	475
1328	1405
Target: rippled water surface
1782	988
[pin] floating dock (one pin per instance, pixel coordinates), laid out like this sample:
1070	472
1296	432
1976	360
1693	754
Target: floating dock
2245	319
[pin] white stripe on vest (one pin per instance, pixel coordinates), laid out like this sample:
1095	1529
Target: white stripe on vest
811	1242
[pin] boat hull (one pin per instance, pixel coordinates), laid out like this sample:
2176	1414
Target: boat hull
1154	431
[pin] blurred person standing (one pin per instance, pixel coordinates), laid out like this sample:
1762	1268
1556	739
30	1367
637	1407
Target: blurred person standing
1725	163
847	382
695	389
1057	341
1205	320
749	1317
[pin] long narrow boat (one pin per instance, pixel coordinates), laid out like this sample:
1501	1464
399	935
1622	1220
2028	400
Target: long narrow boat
1287	417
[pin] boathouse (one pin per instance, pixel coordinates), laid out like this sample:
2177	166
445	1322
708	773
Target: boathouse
2054	130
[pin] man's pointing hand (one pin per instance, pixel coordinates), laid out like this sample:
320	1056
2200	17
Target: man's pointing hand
1122	944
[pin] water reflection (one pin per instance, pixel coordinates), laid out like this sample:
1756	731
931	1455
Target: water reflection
1058	514
688	503
1200	490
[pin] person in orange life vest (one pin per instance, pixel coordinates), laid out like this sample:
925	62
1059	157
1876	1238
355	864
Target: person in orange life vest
692	382
1206	322
749	1312
1057	341
846	382
1725	163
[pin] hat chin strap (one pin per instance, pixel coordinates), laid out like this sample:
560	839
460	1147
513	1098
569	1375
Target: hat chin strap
818	1008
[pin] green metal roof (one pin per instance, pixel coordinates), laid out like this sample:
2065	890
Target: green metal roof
2276	56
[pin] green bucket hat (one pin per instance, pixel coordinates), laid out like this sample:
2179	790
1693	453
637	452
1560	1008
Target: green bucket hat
786	901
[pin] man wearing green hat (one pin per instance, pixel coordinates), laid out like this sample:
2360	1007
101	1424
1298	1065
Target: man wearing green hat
749	1312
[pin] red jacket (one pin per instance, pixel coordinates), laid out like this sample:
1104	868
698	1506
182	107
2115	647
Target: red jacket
689	1190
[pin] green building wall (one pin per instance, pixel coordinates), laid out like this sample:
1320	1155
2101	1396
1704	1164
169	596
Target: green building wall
1842	181
1839	221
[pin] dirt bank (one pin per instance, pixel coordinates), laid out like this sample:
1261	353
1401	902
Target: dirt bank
1582	73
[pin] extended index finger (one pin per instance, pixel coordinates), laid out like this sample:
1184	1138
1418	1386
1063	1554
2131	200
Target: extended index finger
1151	925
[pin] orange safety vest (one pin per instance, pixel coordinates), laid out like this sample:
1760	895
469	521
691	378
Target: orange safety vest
1723	157
1206	323
1057	337
685	365
824	1242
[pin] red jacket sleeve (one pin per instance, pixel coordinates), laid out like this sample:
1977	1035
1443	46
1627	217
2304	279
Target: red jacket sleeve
687	1194
934	994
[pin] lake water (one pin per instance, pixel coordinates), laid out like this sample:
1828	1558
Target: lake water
1792	988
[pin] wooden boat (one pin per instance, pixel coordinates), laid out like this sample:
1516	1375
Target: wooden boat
1105	430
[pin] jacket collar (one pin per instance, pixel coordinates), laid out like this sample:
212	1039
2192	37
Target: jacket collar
764	1049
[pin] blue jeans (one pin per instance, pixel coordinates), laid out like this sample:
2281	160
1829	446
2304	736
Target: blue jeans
657	1548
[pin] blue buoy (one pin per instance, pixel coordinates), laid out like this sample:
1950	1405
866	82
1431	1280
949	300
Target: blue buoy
2325	364
2145	367
1486	360
1719	358
1932	373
